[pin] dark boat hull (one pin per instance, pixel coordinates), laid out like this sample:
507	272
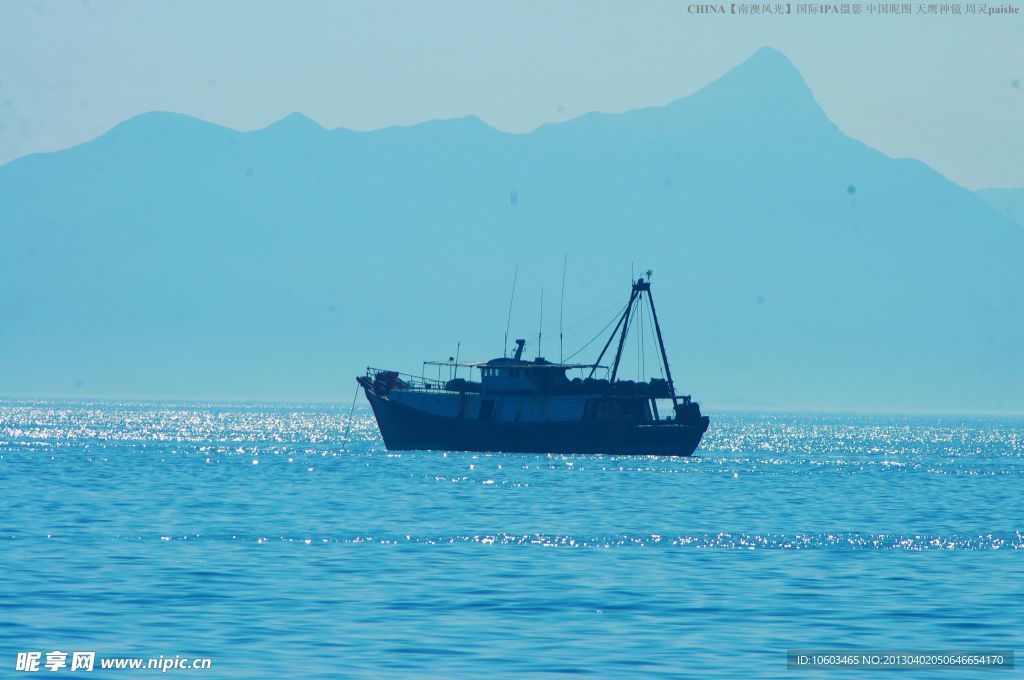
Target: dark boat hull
407	429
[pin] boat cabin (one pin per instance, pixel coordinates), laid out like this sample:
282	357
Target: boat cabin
511	376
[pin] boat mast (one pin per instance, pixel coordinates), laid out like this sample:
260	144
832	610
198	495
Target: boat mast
625	314
661	345
540	324
638	289
561	309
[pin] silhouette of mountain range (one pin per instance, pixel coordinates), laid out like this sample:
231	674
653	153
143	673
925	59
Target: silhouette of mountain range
794	267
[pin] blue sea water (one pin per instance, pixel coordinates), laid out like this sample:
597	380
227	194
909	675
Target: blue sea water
257	536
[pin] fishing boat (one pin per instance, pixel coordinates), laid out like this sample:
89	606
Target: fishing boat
519	405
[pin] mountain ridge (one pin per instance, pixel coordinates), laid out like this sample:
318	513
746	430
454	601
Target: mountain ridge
765	58
1008	202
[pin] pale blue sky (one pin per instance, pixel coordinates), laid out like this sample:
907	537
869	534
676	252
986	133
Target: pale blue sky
948	90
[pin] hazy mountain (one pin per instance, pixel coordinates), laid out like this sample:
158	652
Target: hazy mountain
794	266
1009	202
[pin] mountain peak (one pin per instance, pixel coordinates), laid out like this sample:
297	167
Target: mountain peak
295	121
767	84
768	69
165	120
157	127
771	57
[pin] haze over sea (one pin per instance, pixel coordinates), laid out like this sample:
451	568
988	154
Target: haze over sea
795	267
254	535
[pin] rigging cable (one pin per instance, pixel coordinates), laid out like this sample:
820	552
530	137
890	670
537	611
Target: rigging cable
348	427
508	321
599	333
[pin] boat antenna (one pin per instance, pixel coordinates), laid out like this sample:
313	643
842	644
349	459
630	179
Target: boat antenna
458	348
540	325
508	321
561	309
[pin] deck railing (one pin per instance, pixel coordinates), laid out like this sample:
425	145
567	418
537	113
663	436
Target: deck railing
388	380
408	381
